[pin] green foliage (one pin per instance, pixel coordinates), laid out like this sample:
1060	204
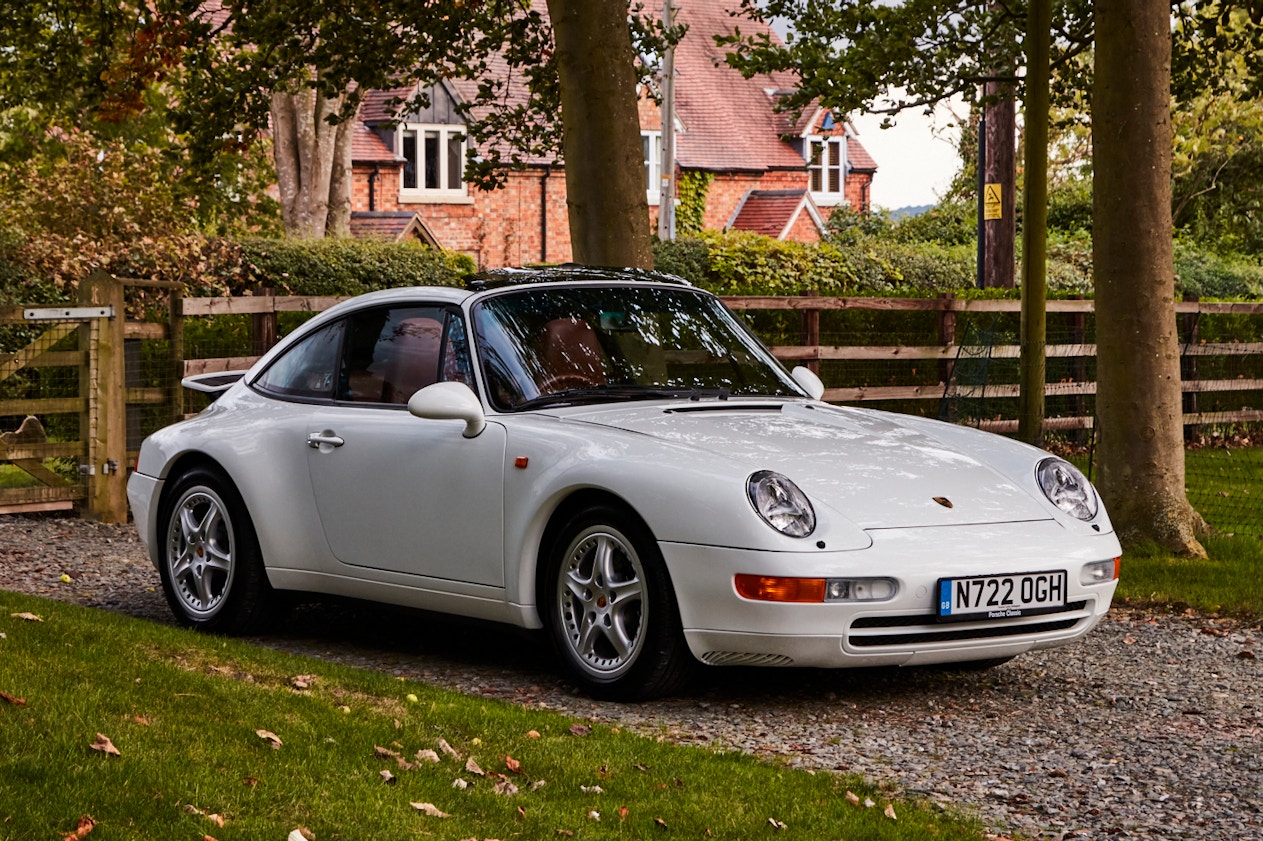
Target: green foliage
744	263
341	266
847	226
691	188
1208	275
1070	206
947	223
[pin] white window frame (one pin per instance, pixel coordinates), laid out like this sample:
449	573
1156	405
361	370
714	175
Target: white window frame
442	190
652	141
821	165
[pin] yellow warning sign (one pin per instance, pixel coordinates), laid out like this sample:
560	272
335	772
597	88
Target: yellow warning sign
992	204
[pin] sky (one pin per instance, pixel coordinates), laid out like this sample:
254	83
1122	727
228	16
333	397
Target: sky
916	159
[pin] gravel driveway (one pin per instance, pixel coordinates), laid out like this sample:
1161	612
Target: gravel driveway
1151	728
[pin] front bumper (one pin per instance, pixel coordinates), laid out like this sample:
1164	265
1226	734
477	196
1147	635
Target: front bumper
722	628
143	493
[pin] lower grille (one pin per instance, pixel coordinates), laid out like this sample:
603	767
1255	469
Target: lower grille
741	658
917	629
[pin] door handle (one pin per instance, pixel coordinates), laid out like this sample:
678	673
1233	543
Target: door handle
316	439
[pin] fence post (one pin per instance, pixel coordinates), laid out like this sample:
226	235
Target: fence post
103	384
811	332
175	352
1188	362
264	327
946	336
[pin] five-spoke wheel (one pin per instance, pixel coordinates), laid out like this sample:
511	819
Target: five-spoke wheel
212	571
610	608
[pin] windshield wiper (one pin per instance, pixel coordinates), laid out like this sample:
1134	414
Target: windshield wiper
608	394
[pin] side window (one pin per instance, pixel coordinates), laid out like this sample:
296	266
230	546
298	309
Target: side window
307	369
392	353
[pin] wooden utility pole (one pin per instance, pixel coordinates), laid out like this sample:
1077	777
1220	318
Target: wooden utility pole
999	186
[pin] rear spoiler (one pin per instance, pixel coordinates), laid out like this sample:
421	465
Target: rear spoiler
213	384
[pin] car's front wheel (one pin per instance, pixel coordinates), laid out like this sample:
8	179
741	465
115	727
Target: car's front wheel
610	609
211	567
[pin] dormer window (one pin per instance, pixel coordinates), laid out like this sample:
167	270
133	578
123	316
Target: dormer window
434	162
826	167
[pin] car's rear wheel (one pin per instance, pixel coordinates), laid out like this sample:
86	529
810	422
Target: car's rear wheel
211	567
610	609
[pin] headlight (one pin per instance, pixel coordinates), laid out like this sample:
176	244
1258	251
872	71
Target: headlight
1067	488
781	504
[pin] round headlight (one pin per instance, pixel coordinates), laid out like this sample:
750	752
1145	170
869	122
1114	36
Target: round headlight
1067	488
781	504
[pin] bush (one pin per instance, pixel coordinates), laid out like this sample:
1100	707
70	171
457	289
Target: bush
743	263
339	266
1209	275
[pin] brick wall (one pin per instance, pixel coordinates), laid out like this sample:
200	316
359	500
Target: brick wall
504	227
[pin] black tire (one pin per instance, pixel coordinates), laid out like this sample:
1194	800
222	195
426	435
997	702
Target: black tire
210	563
610	610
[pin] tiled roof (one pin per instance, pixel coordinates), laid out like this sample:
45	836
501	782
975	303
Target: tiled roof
367	147
858	156
773	212
391	225
729	122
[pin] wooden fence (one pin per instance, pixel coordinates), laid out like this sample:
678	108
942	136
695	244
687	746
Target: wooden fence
110	390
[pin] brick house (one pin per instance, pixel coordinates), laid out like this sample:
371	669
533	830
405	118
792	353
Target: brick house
767	174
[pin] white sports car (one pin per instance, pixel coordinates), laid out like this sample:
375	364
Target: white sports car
613	457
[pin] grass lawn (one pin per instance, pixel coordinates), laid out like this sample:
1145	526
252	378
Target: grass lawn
1229	582
222	739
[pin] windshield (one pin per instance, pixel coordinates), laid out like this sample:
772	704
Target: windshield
563	346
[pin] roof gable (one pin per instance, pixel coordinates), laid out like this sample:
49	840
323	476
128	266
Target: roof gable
774	212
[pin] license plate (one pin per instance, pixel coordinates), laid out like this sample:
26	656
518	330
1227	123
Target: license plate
1001	596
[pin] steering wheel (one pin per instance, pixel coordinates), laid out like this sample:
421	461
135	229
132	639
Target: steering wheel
568	380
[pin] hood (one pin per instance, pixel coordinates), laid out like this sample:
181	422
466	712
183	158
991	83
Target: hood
868	466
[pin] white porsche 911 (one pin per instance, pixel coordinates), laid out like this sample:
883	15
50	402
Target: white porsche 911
611	456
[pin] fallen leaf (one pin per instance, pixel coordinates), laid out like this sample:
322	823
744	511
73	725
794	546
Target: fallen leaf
460	784
249	781
868	802
12	699
388	777
302	833
472	767
104	745
430	809
521	811
29	617
532	734
448	749
427	755
580	730
86	824
596	816
852	798
640	767
384	753
218	820
592	789
565	833
1246	654
302	681
776	824
660	822
505	788
513	765
622	812
890	812
269	737
141	720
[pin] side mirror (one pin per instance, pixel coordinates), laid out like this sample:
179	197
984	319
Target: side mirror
810	383
450	401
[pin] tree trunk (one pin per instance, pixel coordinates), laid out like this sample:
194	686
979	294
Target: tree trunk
1138	380
313	163
605	173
